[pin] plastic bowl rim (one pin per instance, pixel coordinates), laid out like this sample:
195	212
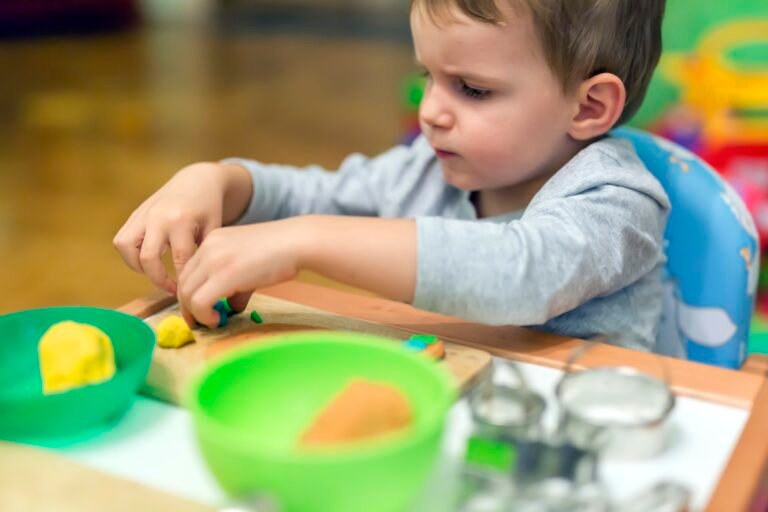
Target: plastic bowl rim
120	372
396	442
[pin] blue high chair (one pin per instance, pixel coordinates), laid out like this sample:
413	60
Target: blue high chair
712	257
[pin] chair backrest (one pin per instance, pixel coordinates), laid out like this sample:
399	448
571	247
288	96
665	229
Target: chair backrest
712	257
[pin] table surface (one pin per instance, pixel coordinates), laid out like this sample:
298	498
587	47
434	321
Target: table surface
154	445
718	447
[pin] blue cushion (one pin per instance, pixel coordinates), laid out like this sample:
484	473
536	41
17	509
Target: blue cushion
712	256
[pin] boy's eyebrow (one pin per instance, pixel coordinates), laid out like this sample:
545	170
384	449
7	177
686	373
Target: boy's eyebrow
472	77
480	79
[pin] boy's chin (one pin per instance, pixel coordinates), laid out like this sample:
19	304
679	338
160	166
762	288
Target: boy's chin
460	180
460	183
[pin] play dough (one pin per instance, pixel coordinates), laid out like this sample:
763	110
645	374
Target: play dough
173	332
73	355
427	344
362	410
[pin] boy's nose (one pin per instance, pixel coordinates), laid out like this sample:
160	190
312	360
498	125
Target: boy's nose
434	111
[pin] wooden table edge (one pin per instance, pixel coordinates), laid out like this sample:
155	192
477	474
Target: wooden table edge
745	470
742	475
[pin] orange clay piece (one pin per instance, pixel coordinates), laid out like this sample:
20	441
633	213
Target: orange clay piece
362	410
426	344
436	350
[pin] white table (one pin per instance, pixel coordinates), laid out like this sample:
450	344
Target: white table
154	445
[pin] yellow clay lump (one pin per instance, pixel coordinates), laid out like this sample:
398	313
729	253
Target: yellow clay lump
173	332
73	355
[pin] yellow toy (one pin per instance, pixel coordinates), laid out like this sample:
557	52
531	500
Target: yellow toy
732	98
173	332
73	355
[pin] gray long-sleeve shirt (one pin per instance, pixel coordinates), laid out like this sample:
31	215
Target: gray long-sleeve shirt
583	259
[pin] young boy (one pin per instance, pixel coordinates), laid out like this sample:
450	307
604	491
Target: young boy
513	207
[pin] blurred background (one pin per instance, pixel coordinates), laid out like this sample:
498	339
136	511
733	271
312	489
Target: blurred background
101	101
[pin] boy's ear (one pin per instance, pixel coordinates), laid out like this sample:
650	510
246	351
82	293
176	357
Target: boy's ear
601	101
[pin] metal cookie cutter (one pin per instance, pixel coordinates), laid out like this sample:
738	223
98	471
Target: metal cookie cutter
618	412
509	435
504	415
538	461
503	411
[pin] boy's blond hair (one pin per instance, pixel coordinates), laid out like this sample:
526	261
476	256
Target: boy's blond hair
582	38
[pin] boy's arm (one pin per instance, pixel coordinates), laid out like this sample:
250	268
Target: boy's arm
238	190
561	254
357	188
370	253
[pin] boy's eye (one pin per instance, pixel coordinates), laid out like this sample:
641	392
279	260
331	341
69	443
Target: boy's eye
473	92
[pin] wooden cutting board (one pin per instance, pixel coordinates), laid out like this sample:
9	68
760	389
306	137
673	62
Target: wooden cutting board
35	480
172	369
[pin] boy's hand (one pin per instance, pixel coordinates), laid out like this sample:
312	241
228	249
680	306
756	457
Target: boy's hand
234	261
180	215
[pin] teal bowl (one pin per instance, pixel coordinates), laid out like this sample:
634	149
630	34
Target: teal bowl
251	405
27	415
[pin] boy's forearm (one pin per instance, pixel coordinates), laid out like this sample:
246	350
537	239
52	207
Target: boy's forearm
370	253
238	189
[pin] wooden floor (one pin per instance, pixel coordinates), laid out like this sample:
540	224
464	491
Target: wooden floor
90	126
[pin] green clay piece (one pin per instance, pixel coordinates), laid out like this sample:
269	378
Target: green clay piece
223	316
223	320
415	345
427	339
223	307
256	318
491	453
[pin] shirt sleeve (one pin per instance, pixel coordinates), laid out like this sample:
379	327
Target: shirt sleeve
357	188
560	254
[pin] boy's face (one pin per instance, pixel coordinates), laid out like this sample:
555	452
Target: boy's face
493	110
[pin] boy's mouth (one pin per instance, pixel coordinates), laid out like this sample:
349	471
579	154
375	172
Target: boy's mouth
442	154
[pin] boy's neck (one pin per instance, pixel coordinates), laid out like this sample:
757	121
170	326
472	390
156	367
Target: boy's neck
494	202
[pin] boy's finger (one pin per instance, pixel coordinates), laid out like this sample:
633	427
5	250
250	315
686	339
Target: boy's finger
190	266
201	305
183	247
191	322
128	246
209	226
192	278
150	257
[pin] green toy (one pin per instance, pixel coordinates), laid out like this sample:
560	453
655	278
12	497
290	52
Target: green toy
27	415
251	405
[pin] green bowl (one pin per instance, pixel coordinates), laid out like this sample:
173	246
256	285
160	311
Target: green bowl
251	405
27	415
